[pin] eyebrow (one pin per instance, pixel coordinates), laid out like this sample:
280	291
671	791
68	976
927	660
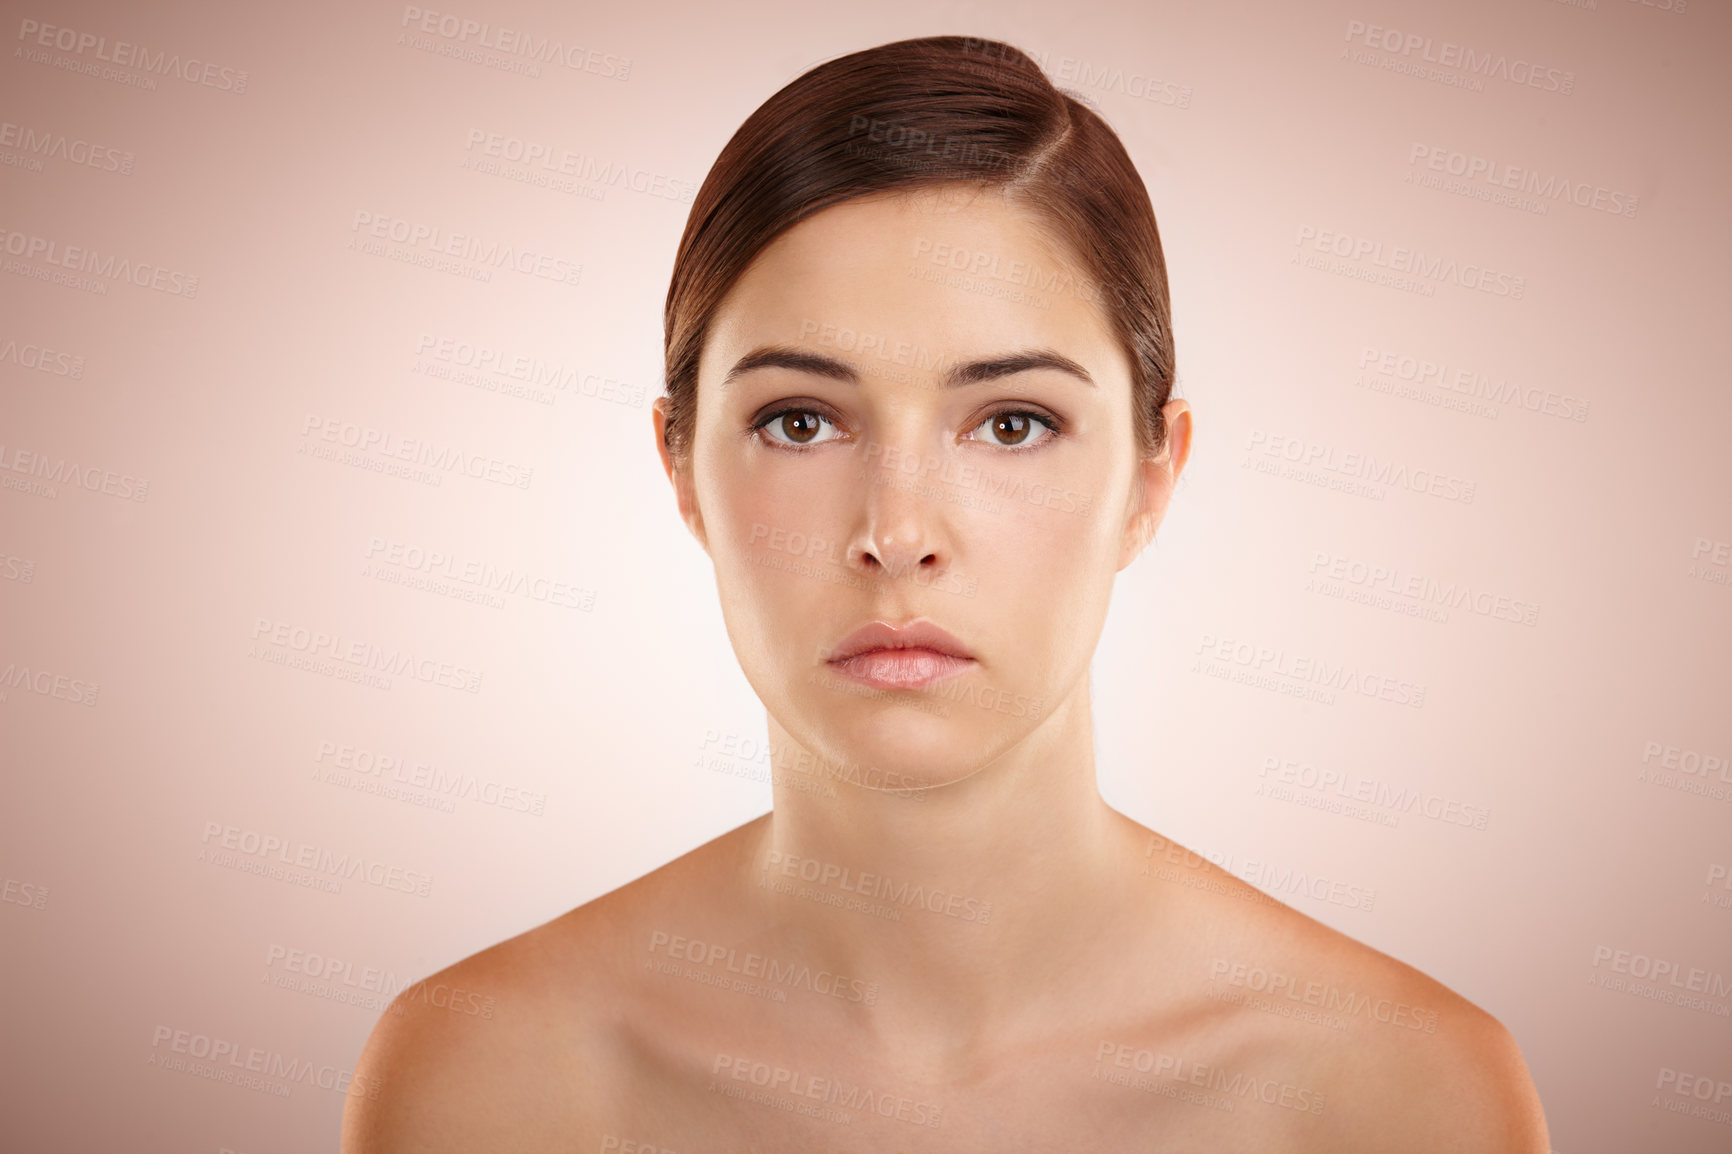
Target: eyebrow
971	373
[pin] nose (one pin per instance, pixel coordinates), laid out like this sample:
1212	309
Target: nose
902	529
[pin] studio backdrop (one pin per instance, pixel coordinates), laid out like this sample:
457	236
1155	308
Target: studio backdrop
347	624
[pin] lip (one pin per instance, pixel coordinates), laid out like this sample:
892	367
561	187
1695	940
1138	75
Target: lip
910	656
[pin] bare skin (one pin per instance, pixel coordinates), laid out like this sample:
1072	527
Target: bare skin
941	938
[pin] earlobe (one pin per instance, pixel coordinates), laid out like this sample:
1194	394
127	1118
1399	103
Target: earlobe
1156	477
684	496
689	511
1142	519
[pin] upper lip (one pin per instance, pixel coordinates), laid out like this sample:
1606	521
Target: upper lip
918	634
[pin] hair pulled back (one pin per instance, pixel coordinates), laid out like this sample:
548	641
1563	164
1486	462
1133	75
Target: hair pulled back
917	114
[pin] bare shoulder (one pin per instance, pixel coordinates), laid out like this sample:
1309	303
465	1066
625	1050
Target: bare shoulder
1403	1062
459	1060
523	1044
1428	1070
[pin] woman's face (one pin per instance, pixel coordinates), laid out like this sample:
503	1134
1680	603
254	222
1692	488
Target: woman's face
911	408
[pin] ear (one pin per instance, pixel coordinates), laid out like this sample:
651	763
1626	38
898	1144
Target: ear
680	475
1152	487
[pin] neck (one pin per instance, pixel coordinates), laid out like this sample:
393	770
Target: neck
962	902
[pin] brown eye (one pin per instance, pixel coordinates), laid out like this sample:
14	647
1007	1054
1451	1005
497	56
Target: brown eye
1012	428
795	427
799	427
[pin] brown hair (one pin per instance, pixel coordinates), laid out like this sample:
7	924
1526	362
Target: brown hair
916	114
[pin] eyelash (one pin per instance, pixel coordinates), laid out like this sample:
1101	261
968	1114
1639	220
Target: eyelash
1054	426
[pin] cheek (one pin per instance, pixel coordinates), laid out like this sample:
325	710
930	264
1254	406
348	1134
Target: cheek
1038	560
778	536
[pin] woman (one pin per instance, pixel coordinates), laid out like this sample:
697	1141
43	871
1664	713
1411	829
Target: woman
919	415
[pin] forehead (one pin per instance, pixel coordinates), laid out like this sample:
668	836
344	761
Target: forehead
922	278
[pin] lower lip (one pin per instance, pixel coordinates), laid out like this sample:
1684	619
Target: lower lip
901	668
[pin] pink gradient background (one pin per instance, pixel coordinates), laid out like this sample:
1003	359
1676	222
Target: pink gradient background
608	714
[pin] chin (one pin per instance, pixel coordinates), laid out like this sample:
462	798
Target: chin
917	742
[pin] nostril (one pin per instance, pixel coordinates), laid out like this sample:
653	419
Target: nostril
894	568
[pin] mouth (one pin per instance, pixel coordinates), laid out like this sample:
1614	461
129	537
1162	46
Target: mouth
911	656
